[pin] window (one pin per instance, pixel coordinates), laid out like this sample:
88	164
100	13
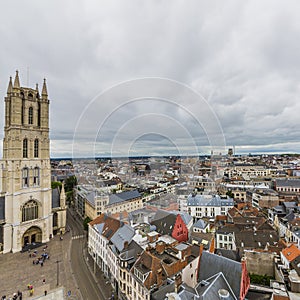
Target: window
36	176
36	148
29	211
25	148
30	115
25	177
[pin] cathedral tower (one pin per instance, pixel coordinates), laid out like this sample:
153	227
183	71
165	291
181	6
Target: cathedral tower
25	183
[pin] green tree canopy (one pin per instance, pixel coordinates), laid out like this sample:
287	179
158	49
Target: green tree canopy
55	184
86	221
70	183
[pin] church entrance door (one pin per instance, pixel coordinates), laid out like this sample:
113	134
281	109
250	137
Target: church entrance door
32	235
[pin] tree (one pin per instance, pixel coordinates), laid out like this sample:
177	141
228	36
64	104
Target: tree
86	221
230	194
56	184
70	183
260	279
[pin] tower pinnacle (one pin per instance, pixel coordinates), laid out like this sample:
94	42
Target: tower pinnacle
17	81
44	90
10	87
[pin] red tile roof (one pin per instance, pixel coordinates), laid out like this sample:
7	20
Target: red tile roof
291	252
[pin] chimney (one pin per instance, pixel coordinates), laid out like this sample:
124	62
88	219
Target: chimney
125	244
199	261
160	247
159	276
178	281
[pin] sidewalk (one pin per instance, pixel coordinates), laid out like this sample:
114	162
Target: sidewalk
17	271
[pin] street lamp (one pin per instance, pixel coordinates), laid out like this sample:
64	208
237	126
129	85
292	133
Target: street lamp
57	271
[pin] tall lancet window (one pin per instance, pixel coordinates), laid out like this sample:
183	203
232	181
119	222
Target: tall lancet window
23	107
36	148
25	148
30	115
25	177
36	176
39	114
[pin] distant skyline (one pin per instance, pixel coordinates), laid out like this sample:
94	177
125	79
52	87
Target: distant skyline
241	57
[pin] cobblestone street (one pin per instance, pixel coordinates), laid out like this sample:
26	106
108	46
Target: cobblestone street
17	271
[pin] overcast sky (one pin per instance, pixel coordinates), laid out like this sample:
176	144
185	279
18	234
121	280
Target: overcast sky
228	73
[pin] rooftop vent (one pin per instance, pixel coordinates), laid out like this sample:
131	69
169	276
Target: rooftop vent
223	294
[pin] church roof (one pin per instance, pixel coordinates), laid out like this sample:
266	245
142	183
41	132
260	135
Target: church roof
55	198
2	208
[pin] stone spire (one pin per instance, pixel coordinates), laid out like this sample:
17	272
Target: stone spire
10	87
44	90
62	196
17	81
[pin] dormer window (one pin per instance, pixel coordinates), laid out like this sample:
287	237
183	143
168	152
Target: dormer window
140	275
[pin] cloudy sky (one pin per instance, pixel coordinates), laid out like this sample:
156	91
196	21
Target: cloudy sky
155	77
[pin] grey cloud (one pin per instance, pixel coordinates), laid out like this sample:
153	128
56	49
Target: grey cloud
242	56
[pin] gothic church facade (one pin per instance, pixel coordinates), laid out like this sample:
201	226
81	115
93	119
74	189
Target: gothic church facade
26	202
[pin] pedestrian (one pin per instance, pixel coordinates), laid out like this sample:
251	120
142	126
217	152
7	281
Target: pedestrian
3	297
44	281
42	263
20	295
45	292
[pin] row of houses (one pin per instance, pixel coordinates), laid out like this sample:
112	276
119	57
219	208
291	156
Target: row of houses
143	263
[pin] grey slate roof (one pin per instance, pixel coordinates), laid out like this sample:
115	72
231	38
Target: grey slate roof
90	197
211	264
231	254
161	293
165	225
288	182
215	283
55	198
99	227
124	196
160	214
200	224
122	235
200	200
2	208
186	218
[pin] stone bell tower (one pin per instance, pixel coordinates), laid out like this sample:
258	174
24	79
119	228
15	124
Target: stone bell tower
25	173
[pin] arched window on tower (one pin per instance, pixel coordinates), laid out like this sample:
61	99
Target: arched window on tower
23	107
30	115
39	114
36	148
30	211
25	177
25	148
36	176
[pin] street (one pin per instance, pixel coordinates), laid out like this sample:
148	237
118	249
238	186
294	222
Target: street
89	289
